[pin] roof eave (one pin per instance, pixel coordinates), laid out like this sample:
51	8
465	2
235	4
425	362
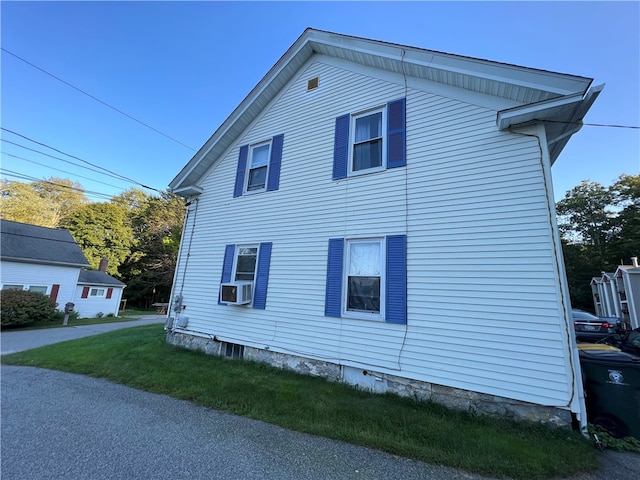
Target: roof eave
44	262
568	112
392	57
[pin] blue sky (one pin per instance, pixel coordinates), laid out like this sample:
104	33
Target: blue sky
182	67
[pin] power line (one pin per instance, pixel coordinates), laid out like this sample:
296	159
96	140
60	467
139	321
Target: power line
4	171
98	100
78	158
594	124
61	159
59	170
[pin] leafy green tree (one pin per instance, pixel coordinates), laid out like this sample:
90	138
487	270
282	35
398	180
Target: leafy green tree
626	235
156	222
600	227
19	202
585	216
43	203
102	230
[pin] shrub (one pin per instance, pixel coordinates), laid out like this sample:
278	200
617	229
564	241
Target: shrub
21	307
99	315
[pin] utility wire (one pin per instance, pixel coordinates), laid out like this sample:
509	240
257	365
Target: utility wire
80	159
61	159
86	245
59	170
4	171
98	100
593	124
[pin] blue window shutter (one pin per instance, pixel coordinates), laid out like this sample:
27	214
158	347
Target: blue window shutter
227	266
396	134
396	301
333	298
262	276
341	147
242	167
273	182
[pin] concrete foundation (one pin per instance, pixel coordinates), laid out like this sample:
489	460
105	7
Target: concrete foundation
473	402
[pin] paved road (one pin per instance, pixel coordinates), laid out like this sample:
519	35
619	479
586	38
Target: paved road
57	425
21	340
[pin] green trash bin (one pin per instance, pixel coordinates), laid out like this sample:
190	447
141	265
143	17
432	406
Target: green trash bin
612	390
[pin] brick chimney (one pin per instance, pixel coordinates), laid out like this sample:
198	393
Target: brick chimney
103	265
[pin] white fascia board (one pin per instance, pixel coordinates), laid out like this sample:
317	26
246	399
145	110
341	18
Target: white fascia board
544	110
31	261
296	52
188	191
537	111
553	82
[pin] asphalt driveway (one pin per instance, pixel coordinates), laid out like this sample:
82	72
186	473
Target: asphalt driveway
20	340
56	425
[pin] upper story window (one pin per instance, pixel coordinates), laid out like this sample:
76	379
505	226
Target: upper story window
370	141
367	141
258	167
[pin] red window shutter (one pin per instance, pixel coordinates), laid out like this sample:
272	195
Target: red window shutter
109	292
85	292
55	288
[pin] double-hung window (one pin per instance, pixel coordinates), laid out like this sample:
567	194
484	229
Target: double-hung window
370	141
245	263
367	141
367	279
364	283
248	263
258	168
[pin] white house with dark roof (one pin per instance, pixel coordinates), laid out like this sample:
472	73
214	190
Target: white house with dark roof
359	216
49	261
98	293
45	260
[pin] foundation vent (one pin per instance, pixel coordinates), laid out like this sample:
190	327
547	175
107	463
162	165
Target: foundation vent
232	350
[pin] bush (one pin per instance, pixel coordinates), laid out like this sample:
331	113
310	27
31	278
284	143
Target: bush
21	307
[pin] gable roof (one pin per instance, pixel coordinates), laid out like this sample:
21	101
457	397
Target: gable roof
97	277
538	94
21	242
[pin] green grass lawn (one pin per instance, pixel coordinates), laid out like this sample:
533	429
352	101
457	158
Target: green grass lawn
126	316
140	358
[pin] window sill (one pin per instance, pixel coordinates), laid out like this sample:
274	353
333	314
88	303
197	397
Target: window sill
375	317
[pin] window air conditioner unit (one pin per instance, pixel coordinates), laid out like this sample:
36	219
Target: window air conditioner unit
237	293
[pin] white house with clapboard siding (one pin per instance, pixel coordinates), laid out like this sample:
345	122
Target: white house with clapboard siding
40	259
383	215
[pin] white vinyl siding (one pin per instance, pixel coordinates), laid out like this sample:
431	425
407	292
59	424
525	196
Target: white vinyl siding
484	309
97	302
27	274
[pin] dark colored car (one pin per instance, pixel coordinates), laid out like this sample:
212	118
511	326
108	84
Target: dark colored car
589	328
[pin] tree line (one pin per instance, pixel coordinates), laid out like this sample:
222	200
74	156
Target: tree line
140	233
600	229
